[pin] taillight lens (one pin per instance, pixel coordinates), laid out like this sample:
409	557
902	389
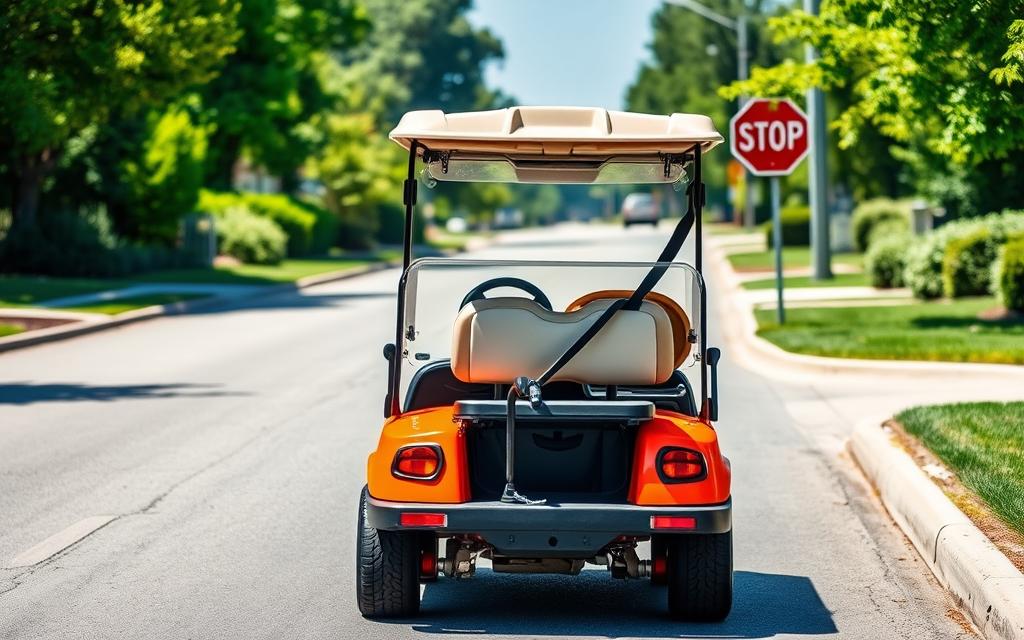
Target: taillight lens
418	519
681	465
673	522
419	462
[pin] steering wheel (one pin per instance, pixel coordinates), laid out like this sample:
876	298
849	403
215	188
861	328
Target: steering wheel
477	292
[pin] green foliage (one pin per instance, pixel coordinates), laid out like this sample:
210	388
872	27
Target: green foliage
796	227
79	244
967	264
1008	277
927	254
298	221
939	79
878	212
68	65
161	184
260	104
249	237
886	260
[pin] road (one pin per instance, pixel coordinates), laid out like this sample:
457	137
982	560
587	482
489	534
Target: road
229	447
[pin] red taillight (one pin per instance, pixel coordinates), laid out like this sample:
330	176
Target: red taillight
673	522
420	462
681	465
423	520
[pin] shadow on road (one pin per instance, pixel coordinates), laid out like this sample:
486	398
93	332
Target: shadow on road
30	393
592	603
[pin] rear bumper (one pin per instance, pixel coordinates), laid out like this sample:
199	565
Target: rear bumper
549	530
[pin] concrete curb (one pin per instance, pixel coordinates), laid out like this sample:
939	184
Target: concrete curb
981	579
741	329
52	334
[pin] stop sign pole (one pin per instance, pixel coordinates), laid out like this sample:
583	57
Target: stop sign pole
769	136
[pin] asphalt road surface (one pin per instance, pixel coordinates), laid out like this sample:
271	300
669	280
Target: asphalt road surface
229	448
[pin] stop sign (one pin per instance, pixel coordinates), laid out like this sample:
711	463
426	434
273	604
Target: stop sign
769	136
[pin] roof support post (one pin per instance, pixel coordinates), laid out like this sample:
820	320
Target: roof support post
699	197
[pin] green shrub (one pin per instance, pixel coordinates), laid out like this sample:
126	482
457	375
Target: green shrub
392	224
925	259
249	237
1008	274
325	228
73	244
297	222
875	213
886	260
796	227
967	263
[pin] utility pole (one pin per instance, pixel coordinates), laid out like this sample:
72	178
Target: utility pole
821	259
739	25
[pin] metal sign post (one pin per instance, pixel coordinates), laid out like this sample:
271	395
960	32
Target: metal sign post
770	137
780	309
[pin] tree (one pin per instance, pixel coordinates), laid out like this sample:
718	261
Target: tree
67	64
420	54
943	80
270	85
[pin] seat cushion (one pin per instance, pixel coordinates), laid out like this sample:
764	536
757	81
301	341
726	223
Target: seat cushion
495	340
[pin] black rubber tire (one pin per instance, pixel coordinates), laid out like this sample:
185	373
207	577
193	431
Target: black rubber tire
700	577
387	570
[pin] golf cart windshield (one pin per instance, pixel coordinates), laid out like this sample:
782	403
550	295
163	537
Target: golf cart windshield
612	170
435	288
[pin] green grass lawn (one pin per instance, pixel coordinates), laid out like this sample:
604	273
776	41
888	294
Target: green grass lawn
114	307
840	280
9	330
791	257
982	443
27	291
924	331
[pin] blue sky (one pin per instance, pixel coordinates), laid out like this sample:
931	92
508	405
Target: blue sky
571	52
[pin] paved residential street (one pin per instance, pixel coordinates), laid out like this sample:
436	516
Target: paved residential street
229	446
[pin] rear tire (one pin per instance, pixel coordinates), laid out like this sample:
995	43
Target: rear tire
700	577
387	570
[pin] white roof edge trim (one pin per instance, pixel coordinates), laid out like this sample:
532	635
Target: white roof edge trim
556	131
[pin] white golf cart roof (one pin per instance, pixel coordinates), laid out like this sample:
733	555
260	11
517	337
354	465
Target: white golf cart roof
561	131
555	144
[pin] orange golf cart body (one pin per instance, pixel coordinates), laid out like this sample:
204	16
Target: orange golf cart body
549	425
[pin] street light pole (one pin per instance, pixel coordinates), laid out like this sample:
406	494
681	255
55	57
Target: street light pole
739	25
821	259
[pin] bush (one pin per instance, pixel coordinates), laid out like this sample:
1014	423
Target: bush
297	222
796	227
926	257
967	263
325	228
249	237
886	260
75	244
1008	275
870	214
392	224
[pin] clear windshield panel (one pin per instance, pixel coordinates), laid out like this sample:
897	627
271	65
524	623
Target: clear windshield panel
435	288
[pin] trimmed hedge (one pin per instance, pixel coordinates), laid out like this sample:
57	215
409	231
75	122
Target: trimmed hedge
927	255
870	215
1008	276
796	227
967	263
307	227
74	244
886	260
251	238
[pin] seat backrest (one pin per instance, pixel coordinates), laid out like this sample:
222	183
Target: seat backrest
497	339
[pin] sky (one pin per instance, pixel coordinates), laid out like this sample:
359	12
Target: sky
567	52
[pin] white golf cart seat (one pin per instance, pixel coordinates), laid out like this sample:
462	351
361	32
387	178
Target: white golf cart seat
497	339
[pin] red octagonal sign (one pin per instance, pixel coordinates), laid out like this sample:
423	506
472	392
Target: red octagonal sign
769	136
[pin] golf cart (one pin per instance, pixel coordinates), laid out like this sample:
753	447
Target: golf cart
536	412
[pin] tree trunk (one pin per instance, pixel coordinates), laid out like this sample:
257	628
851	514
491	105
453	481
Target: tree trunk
30	170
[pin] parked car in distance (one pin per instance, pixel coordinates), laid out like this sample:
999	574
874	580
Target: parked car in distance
509	218
639	208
